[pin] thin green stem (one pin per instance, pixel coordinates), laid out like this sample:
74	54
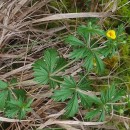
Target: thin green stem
100	47
85	92
63	67
123	103
82	78
56	80
13	93
97	41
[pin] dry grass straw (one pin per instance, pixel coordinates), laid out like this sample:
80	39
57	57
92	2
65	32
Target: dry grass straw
23	37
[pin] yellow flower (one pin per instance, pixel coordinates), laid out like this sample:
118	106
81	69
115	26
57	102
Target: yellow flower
111	34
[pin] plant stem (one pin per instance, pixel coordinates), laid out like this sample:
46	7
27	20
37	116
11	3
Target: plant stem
63	67
100	47
13	93
56	80
123	103
82	78
88	93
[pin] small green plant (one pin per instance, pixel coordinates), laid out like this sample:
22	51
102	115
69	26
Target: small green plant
85	49
18	108
14	102
91	45
104	103
72	90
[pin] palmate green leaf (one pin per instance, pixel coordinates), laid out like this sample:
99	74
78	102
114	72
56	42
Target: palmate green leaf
90	115
4	92
62	94
107	95
18	108
50	58
99	112
26	108
11	113
79	53
111	95
70	89
45	67
66	91
89	58
118	95
72	106
103	99
40	72
85	100
106	51
69	82
3	99
99	63
84	31
73	41
94	99
84	85
89	61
